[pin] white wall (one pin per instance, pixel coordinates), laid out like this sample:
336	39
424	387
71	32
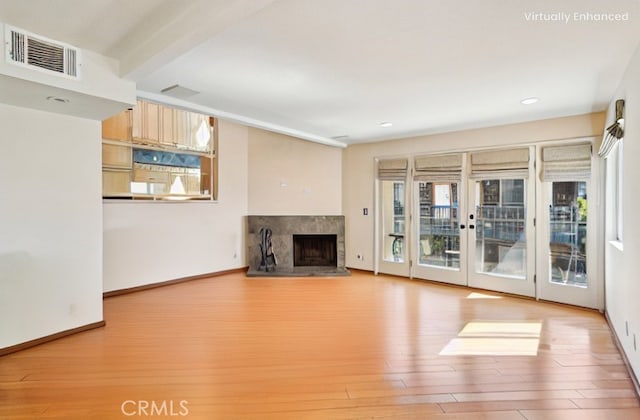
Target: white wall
359	167
50	224
289	176
151	242
621	266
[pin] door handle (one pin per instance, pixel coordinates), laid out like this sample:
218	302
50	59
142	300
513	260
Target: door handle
462	227
471	227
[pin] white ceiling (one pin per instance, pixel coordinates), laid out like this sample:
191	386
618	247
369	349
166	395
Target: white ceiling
319	69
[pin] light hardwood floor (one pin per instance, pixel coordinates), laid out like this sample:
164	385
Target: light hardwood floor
363	346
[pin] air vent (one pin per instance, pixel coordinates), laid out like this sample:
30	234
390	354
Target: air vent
34	51
179	92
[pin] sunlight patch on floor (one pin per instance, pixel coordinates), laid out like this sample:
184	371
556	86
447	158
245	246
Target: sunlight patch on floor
476	295
496	338
529	329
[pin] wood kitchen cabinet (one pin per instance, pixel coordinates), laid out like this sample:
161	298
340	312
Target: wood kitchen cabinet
181	127
115	182
118	127
171	127
136	121
149	123
146	122
174	127
116	156
167	132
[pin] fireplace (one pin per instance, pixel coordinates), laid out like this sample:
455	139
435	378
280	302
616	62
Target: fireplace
315	250
301	245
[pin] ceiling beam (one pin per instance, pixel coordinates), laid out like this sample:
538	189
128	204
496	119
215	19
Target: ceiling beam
176	28
240	119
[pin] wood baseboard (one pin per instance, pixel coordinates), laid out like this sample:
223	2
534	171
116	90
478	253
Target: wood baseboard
32	343
170	282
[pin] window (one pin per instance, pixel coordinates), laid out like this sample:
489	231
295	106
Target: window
618	190
439	235
398	221
568	214
155	152
611	149
392	174
501	227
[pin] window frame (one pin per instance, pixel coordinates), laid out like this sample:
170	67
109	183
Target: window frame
618	191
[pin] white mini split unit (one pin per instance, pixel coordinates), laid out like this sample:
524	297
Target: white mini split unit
39	53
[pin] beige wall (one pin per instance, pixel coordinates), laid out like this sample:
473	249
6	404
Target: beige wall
359	167
150	242
289	176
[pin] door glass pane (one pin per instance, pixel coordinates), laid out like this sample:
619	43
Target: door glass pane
393	220
439	238
568	234
500	228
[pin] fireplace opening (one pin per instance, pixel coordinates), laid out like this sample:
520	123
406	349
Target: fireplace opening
315	250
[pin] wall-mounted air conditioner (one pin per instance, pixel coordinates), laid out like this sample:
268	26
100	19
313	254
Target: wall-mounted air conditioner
39	53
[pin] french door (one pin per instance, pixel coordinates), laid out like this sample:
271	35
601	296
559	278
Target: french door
441	240
501	234
488	220
480	236
474	226
439	209
564	266
567	266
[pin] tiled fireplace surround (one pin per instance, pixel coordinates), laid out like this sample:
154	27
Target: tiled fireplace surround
283	228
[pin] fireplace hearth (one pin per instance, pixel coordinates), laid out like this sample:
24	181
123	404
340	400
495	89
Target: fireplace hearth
302	245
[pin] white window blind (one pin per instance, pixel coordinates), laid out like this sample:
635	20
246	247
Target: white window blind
393	169
566	163
512	163
438	168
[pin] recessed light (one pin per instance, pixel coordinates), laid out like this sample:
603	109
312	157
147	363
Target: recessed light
58	99
386	124
529	101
